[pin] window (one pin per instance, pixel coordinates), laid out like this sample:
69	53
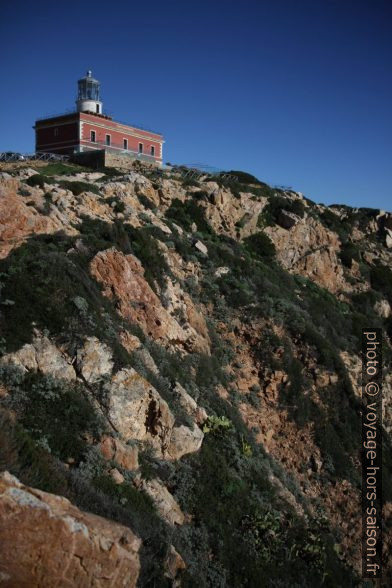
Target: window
125	144
152	150
140	147
107	139
56	132
92	136
97	108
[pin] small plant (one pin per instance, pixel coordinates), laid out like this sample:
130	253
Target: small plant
217	425
246	447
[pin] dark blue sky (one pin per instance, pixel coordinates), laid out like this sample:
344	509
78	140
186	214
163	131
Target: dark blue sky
297	92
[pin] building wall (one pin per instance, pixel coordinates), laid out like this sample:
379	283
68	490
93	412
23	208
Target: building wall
72	133
117	134
57	135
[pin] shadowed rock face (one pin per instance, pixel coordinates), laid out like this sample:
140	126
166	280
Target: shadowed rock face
217	323
46	541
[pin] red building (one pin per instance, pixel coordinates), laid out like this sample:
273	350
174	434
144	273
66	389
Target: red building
87	129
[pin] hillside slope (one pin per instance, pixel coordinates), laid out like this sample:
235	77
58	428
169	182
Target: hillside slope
182	358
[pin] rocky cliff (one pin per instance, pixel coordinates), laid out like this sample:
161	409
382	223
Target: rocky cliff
180	397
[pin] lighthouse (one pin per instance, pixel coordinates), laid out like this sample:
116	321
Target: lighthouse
88	128
88	99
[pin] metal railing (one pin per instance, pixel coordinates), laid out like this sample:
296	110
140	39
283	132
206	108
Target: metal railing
14	157
196	171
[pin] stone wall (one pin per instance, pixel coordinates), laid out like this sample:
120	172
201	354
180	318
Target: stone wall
126	161
103	158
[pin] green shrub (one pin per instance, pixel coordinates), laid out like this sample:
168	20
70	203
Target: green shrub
116	204
270	214
147	203
260	245
78	187
244	177
56	412
22	457
125	494
186	213
333	222
38	180
348	253
62	169
381	280
145	247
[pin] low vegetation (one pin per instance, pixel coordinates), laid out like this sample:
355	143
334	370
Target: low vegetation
242	532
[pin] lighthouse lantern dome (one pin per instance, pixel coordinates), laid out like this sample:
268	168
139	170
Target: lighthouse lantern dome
88	99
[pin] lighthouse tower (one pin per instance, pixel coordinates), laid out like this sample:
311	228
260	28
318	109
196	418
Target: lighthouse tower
88	99
88	129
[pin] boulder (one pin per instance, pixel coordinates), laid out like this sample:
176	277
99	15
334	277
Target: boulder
94	360
173	566
116	476
166	505
189	404
43	356
388	238
184	440
287	219
137	410
201	247
221	271
46	541
383	308
125	455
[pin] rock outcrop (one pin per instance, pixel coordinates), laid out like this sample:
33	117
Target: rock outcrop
94	360
46	541
19	221
42	356
166	505
310	249
122	277
138	412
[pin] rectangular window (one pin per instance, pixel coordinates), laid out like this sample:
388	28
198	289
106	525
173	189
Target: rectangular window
56	132
97	108
125	144
92	136
152	150
140	147
107	140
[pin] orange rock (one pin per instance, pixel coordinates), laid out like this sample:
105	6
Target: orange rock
122	278
125	455
46	541
18	221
